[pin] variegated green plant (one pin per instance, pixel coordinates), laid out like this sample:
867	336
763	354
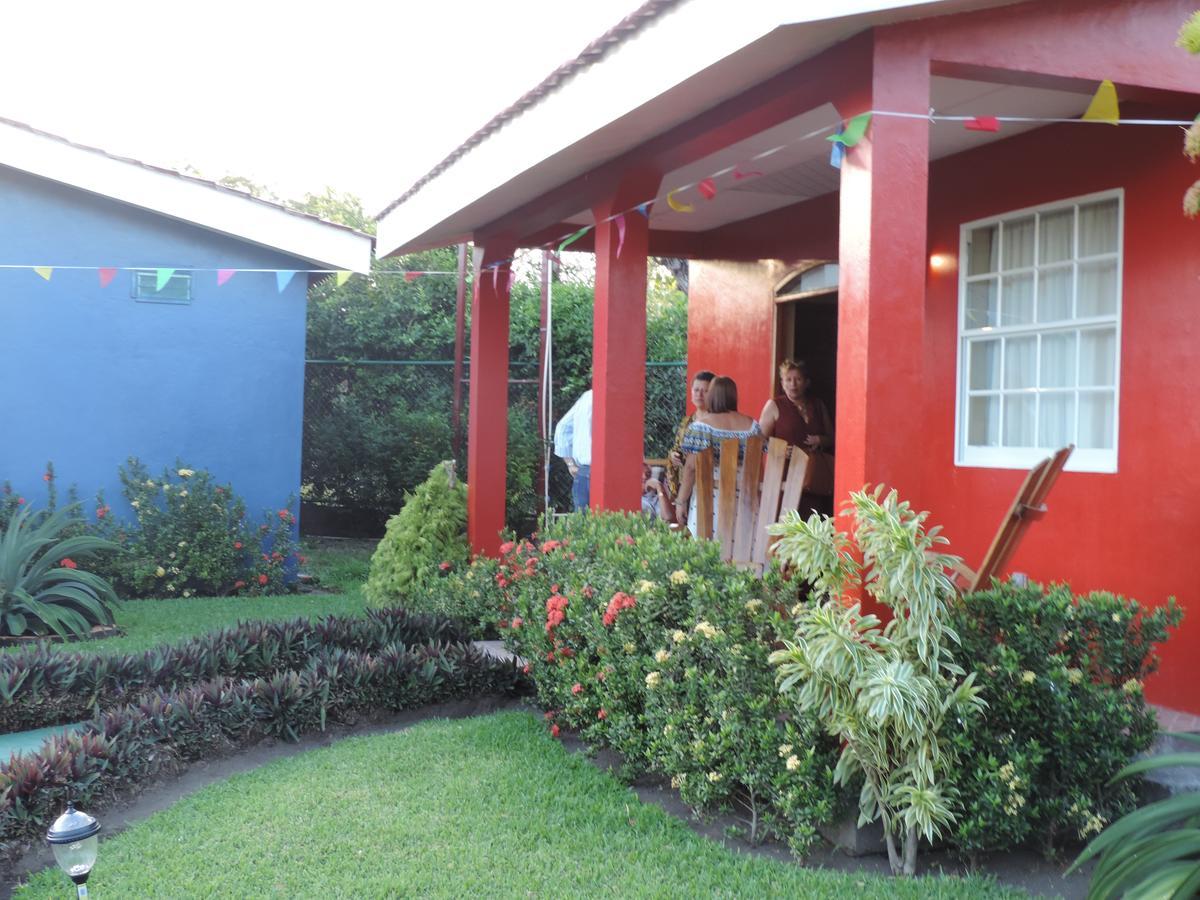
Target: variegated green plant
41	588
883	690
1153	851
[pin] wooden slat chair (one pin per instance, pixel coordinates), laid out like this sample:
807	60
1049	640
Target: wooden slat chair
1027	507
745	510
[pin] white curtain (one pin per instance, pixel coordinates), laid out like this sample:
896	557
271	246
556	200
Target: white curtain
1098	228
1018	243
1017	299
1058	360
1055	287
981	251
1056	237
1098	288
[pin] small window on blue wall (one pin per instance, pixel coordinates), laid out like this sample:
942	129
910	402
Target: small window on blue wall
177	289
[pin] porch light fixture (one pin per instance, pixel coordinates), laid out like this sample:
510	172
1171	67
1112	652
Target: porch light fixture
941	262
73	838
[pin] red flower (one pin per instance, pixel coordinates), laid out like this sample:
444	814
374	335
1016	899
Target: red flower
238	585
602	715
237	545
262	579
548	715
444	566
550	545
550	657
525	671
577	688
506	547
517	621
566	651
68	563
554	731
101	512
47	477
20	500
502	624
284	515
277	556
554	588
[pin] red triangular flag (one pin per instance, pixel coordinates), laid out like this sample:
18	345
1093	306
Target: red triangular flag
707	188
106	277
411	276
982	123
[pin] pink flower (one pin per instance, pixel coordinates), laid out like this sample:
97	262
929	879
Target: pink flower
525	671
554	731
68	563
550	545
577	688
20	500
47	477
237	545
262	579
101	512
506	547
444	566
602	715
517	621
238	585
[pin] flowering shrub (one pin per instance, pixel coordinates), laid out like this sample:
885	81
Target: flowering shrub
467	594
431	529
593	603
721	731
192	539
1062	677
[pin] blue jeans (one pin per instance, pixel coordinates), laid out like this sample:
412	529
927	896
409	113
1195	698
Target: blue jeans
581	488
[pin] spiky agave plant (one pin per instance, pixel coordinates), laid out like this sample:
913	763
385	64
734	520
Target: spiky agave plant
883	690
38	593
1153	851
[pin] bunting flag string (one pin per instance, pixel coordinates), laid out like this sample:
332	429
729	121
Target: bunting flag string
1103	109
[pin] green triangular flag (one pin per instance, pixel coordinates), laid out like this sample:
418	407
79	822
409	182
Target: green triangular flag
853	132
161	277
573	238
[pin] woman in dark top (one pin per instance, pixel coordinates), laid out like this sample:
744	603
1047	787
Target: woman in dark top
803	421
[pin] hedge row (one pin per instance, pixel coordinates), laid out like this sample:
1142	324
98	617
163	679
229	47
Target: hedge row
41	687
124	746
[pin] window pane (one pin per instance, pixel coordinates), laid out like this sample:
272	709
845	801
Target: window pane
983	422
1097	357
1020	362
1018	243
1097	288
981	250
1058	360
1056	421
1096	420
1054	294
1098	228
985	365
1056	237
982	308
1017	297
1019	419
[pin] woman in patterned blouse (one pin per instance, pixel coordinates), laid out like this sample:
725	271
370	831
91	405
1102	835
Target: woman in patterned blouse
721	422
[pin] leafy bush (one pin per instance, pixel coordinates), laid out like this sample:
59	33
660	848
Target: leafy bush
192	538
593	603
722	733
1154	851
1062	676
42	588
884	691
41	687
429	530
124	745
467	595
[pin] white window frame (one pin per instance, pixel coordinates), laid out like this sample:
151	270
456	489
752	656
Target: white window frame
1083	459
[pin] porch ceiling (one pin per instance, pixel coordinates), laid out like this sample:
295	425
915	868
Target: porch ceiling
801	169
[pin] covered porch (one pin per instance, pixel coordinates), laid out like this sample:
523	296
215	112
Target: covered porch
744	177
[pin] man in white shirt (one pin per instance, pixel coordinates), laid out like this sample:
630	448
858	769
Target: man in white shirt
573	443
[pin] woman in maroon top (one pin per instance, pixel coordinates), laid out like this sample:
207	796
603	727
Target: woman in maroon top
801	420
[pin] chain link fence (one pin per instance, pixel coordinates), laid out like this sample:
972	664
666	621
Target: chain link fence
374	428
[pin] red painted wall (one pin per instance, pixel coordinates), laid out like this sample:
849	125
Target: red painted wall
1135	531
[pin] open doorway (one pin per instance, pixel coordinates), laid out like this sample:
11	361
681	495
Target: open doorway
806	322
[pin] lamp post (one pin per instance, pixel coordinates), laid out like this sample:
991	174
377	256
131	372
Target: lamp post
73	838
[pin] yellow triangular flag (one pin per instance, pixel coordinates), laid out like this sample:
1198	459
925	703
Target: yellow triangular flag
1103	107
44	271
679	205
342	277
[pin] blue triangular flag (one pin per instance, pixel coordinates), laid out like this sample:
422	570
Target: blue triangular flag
836	152
644	209
283	278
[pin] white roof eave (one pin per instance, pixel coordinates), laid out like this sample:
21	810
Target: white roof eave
188	200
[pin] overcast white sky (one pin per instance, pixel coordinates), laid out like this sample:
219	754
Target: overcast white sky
361	96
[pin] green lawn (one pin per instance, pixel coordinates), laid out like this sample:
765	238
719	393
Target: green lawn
487	807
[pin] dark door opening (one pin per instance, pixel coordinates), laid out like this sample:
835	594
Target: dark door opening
814	340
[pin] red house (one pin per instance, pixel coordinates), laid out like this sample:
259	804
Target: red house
970	298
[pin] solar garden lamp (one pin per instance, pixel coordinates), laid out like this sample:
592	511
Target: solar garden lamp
73	838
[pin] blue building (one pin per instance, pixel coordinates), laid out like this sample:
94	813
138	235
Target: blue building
106	353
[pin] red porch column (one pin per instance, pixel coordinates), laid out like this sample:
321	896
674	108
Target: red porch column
619	347
881	290
487	420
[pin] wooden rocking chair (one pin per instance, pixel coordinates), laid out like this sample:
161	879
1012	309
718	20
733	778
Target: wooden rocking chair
745	510
1027	507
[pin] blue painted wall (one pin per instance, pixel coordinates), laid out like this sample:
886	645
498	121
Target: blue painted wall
90	376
